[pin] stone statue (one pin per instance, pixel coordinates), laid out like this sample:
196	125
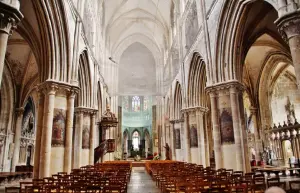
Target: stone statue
290	111
168	152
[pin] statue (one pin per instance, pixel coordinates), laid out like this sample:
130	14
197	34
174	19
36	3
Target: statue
168	152
290	112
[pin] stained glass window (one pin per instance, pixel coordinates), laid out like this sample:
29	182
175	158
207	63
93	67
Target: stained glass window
146	103
136	103
135	140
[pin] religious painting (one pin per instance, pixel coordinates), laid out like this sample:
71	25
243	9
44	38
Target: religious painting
177	139
227	133
86	137
59	128
193	136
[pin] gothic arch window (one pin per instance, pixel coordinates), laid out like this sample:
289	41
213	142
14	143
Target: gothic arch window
136	104
126	103
135	140
146	103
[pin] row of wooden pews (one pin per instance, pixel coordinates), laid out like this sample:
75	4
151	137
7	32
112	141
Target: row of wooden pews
98	178
191	178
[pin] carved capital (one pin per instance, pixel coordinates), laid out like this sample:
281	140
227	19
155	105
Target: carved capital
289	25
232	86
19	111
173	121
9	18
85	110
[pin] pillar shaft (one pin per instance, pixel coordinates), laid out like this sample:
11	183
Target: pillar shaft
216	131
256	133
45	157
201	137
236	127
78	139
187	138
9	17
17	138
92	137
39	125
69	132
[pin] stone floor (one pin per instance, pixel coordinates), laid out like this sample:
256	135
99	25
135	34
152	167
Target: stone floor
141	182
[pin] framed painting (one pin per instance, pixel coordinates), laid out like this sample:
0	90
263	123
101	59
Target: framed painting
226	126
58	128
193	135
86	137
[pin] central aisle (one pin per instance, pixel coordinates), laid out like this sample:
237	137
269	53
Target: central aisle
141	182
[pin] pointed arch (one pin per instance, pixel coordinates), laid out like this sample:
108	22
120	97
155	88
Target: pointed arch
177	101
84	79
230	48
197	82
55	43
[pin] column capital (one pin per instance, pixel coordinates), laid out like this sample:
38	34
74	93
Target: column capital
9	18
253	110
289	25
85	110
195	109
56	86
233	86
19	111
173	121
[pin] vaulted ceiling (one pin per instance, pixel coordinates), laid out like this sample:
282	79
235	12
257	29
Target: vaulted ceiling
147	20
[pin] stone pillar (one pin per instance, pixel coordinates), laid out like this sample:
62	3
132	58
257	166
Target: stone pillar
256	133
69	132
45	156
289	28
39	127
92	137
216	130
201	136
236	127
187	138
9	17
17	138
78	138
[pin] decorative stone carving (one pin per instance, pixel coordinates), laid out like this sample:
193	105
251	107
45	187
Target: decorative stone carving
289	25
9	18
290	112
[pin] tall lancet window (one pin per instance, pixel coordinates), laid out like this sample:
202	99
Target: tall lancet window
136	104
135	140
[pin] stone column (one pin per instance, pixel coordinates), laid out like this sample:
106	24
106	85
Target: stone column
236	127
78	138
39	127
45	156
216	130
187	138
92	137
9	17
201	136
289	28
17	138
256	132
69	131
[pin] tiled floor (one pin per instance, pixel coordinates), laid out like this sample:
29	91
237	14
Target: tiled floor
141	182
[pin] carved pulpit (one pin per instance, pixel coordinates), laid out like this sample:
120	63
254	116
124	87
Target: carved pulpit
108	123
